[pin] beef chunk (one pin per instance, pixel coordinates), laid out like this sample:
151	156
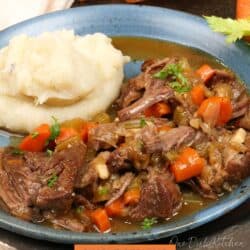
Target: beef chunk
105	136
156	92
18	185
127	155
226	167
60	196
238	168
173	139
145	90
24	180
132	91
135	88
160	197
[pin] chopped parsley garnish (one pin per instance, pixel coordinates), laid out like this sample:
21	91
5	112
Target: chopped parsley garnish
179	81
103	190
49	152
34	134
143	123
54	129
52	180
178	87
17	151
148	223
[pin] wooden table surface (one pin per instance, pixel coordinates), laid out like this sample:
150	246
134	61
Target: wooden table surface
231	231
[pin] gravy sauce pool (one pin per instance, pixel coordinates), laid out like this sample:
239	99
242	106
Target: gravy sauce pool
141	49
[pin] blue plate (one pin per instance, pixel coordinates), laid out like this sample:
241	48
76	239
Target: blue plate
142	21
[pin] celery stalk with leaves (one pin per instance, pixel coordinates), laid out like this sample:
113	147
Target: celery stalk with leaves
233	29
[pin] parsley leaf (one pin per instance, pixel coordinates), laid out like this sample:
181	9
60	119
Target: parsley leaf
17	151
178	87
179	81
233	29
34	134
148	223
52	180
103	190
143	123
54	129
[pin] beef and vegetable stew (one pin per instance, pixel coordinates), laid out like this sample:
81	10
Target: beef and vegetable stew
176	138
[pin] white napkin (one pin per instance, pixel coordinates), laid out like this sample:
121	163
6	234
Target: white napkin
14	11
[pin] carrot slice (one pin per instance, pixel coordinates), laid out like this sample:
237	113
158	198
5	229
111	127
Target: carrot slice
243	11
36	141
100	218
226	111
216	110
187	165
198	94
158	110
65	133
115	208
132	196
205	72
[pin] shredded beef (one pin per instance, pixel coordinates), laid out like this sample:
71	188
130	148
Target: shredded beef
119	186
173	139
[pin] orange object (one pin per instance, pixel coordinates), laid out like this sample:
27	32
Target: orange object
158	110
243	11
36	141
125	247
216	110
187	165
65	133
100	218
85	130
164	128
226	111
132	196
115	208
205	72
198	94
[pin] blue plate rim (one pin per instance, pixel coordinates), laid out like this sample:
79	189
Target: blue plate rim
218	209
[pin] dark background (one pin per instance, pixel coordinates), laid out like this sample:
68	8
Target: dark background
231	231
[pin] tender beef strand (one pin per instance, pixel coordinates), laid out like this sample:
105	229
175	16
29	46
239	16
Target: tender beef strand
133	102
160	197
156	92
24	181
119	187
135	87
172	139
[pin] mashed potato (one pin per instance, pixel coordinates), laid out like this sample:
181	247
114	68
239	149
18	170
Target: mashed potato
57	74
